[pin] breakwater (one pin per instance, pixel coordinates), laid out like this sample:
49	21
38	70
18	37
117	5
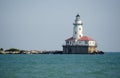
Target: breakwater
31	52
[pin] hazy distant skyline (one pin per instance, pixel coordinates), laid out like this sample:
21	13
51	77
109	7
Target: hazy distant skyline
45	24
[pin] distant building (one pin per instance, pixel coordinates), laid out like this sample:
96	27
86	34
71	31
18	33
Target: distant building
78	43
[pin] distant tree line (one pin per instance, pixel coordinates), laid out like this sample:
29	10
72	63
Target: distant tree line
1	49
12	49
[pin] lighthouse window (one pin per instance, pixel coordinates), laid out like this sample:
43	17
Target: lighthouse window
86	42
67	42
79	42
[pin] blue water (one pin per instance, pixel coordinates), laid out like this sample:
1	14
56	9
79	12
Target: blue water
60	66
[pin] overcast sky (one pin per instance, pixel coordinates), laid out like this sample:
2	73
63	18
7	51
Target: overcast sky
45	24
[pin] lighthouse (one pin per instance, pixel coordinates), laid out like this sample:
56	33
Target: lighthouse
78	43
77	30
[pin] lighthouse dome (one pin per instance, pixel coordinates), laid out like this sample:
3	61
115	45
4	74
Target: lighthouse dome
77	20
77	15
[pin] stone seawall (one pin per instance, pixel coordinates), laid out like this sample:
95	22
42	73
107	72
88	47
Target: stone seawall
32	52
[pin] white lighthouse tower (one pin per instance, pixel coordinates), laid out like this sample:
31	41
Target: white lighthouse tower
78	43
78	29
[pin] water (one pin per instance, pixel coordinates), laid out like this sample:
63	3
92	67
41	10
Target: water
60	66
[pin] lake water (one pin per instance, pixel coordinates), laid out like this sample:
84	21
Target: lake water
60	66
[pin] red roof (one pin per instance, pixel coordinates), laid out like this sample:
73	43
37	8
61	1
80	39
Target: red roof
86	38
83	38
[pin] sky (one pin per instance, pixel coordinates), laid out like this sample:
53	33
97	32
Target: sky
46	24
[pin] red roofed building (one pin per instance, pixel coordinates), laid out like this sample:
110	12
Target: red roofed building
78	43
